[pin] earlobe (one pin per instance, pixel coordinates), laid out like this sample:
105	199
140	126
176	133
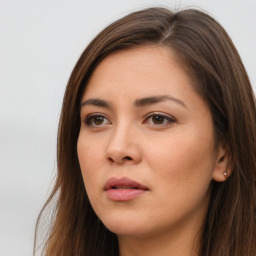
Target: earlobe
222	170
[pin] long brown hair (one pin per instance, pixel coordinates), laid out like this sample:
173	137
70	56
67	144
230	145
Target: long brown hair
203	46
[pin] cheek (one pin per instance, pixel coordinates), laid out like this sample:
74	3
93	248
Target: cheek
182	175
90	158
88	151
184	160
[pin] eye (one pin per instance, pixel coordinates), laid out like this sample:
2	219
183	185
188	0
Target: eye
157	119
96	120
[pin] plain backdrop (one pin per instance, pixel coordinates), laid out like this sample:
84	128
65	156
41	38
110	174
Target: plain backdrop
40	42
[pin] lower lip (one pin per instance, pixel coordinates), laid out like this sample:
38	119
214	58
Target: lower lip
124	194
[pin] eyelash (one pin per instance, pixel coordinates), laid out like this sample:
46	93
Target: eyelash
89	118
167	119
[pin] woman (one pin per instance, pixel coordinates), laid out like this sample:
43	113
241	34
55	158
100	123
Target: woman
157	143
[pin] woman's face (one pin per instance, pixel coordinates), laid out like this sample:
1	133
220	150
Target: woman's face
146	145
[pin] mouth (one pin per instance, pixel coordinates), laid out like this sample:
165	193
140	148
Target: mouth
123	189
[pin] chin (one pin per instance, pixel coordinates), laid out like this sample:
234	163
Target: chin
125	225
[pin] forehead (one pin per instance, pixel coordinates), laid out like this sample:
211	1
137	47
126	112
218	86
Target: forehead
146	65
141	69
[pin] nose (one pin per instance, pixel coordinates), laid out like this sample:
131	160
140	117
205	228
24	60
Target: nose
123	147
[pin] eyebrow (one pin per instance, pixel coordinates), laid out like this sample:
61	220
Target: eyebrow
156	99
96	102
138	103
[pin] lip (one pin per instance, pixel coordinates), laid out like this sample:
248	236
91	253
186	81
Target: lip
123	189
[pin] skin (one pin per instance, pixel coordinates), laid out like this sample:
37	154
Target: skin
173	155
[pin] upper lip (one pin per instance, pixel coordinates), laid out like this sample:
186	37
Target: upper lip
123	182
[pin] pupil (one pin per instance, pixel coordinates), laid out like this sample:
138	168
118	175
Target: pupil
98	120
158	119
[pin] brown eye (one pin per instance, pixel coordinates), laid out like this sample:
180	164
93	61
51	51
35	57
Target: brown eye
158	119
98	120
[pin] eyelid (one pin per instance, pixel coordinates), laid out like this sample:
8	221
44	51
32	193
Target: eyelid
168	117
87	118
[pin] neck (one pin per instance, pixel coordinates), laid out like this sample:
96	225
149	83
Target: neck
183	239
164	245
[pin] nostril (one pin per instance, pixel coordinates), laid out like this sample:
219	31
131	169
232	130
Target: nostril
110	160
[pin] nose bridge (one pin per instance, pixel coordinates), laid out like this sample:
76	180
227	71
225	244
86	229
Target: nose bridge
122	144
122	131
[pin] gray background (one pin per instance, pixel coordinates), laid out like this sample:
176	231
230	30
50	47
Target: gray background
40	42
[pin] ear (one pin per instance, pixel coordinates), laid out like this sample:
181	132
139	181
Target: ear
222	170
